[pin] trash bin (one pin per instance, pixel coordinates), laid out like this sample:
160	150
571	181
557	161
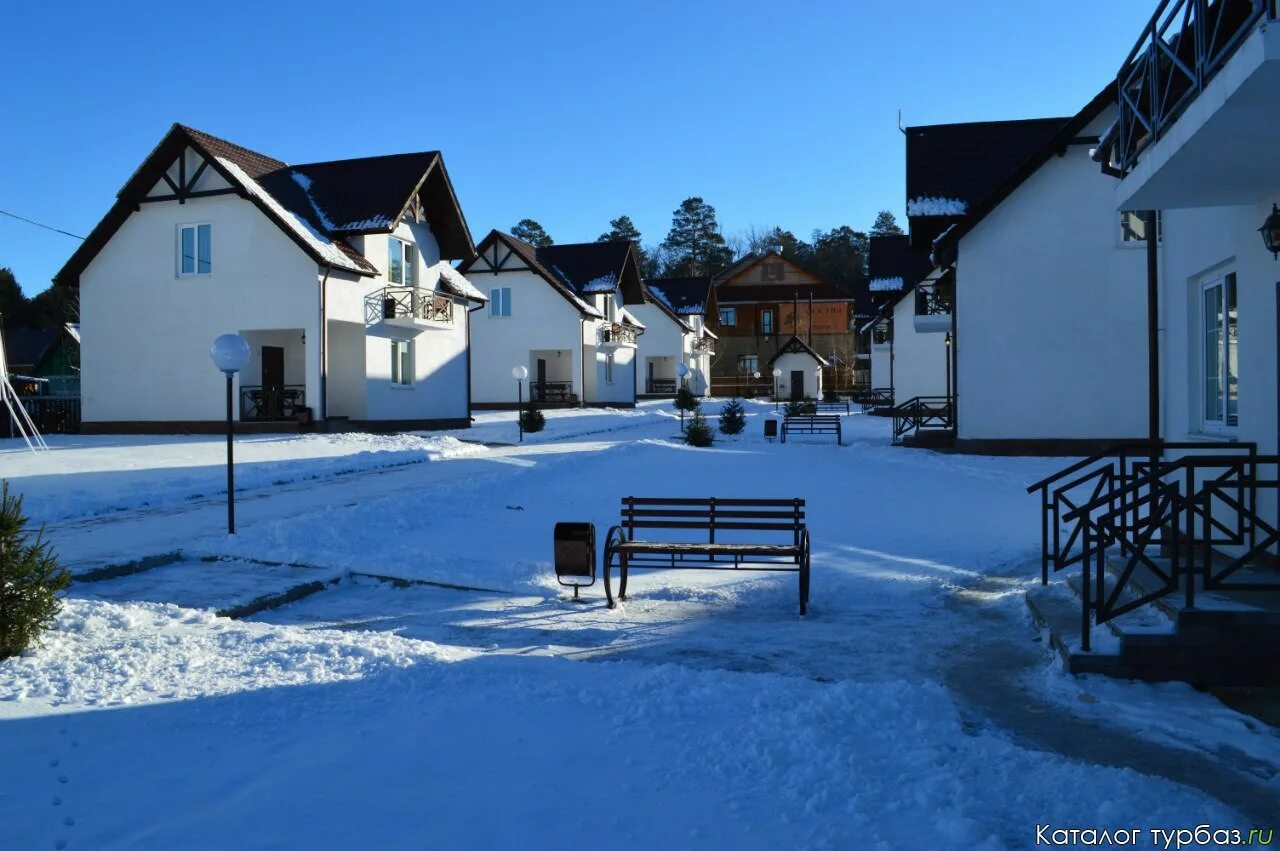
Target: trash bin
575	552
770	428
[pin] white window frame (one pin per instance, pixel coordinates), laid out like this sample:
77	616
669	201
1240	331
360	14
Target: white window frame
408	254
397	366
500	303
608	368
1216	281
195	242
729	316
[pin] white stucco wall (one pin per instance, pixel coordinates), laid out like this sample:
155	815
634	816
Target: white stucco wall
798	361
880	365
919	360
668	344
145	355
541	320
1050	312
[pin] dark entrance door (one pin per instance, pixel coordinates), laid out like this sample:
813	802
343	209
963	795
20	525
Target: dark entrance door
797	384
649	379
272	382
542	380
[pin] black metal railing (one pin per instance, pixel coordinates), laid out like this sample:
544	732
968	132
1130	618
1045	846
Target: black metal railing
875	398
660	385
617	334
705	344
1182	47
51	414
880	335
923	412
282	402
1167	521
407	303
933	300
552	391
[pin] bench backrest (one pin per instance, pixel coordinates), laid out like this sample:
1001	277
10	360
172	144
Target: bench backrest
713	514
813	419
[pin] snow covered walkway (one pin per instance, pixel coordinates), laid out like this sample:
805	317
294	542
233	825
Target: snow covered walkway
916	707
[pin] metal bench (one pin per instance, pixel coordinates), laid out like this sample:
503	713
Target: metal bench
812	424
770	534
842	405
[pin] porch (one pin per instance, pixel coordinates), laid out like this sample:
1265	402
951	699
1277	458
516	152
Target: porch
552	382
273	385
660	375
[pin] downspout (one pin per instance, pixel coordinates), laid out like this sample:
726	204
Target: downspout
1153	328
469	311
582	360
954	360
324	345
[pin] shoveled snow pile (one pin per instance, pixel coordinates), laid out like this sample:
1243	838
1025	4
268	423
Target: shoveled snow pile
931	206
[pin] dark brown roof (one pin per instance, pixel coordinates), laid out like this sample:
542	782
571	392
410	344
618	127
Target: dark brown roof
26	347
685	296
965	163
893	257
596	267
797	346
780	293
299	207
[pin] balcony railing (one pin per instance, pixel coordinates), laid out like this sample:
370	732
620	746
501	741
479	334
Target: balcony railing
705	344
407	303
932	300
880	335
1183	46
618	334
660	386
259	403
552	391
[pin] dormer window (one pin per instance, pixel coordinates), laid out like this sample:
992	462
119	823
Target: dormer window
195	249
402	262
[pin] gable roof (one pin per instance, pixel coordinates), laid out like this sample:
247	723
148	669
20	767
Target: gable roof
1056	145
26	347
820	290
895	268
684	296
797	346
316	205
951	168
590	268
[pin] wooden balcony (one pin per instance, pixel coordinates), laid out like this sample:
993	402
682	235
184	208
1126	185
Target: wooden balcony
411	307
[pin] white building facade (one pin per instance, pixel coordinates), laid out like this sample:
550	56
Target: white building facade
675	333
360	324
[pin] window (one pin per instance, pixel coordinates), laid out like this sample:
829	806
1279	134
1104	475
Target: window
401	362
500	301
728	316
608	369
1219	352
1133	227
748	363
766	322
401	262
194	249
610	308
773	272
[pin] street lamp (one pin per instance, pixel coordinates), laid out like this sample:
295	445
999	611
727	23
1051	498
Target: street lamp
1270	231
777	374
229	354
682	372
947	343
520	373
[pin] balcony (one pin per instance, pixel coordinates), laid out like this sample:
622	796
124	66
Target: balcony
617	334
1199	107
704	346
408	307
933	306
881	335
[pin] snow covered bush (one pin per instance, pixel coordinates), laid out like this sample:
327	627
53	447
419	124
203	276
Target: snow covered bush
531	419
733	419
30	579
699	433
685	400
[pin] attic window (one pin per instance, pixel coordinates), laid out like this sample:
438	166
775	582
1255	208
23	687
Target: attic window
773	272
195	249
401	262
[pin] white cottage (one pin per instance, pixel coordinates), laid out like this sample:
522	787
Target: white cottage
560	311
333	272
675	333
800	370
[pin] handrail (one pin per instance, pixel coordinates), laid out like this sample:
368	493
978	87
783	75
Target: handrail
1116	449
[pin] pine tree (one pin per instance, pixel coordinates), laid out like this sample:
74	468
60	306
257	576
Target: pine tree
30	579
698	433
694	243
840	256
886	224
733	419
531	419
685	400
533	233
623	228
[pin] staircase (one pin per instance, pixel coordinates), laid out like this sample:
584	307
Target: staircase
1172	564
925	421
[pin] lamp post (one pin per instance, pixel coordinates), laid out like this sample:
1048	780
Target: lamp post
777	374
682	374
947	342
755	376
520	373
229	354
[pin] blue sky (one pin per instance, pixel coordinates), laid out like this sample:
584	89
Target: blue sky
570	112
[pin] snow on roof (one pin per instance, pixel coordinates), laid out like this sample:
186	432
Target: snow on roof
321	244
929	206
305	182
606	283
625	316
879	285
453	280
73	328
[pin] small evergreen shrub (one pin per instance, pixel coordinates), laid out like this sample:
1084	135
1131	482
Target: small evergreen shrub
698	432
531	419
733	419
30	579
800	408
685	400
830	396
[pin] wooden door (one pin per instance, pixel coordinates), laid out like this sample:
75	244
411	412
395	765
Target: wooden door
542	380
273	382
797	384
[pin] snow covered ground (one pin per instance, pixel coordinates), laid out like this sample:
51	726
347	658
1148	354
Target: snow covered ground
915	707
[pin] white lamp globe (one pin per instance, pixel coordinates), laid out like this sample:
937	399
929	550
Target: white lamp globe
519	373
755	374
682	370
229	353
777	373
